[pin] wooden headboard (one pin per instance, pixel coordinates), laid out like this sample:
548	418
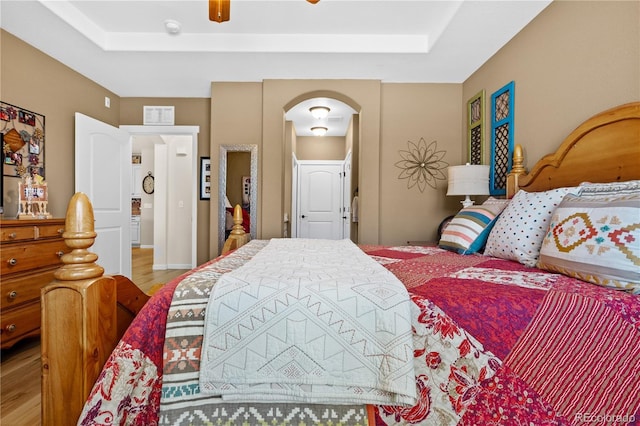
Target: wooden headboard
605	148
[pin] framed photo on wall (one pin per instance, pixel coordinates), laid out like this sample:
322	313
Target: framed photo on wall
205	178
23	141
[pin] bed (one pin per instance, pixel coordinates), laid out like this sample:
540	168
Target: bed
514	335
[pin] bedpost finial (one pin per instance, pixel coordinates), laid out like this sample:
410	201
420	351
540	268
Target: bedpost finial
79	218
518	160
237	221
79	235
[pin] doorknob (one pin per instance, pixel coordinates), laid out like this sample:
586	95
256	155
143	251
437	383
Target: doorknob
303	216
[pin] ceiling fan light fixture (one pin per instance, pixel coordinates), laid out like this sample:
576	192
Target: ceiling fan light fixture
319	112
219	10
319	130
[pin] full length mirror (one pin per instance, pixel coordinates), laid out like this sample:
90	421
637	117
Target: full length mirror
234	171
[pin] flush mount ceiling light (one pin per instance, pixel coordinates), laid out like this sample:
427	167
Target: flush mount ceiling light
319	112
219	10
172	26
319	130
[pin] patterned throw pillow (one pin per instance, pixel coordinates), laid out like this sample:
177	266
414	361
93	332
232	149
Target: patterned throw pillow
596	239
520	229
502	202
589	189
468	231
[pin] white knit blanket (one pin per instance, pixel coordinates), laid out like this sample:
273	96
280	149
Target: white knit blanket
314	321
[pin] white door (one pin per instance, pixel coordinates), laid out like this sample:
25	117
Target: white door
320	198
103	173
346	197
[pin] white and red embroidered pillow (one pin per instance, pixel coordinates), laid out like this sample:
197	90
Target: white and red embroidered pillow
520	229
596	239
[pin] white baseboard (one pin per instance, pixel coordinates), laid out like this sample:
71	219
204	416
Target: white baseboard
179	266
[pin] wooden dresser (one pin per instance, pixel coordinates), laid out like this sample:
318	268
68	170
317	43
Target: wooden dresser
30	251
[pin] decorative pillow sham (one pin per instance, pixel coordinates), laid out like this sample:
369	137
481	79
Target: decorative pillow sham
520	229
589	189
596	239
467	232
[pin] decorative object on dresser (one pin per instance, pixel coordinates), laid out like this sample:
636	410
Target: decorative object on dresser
31	251
33	198
470	179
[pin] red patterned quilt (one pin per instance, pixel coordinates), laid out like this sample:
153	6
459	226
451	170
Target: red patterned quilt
495	342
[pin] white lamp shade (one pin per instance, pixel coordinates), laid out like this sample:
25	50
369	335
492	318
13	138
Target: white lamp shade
227	204
470	179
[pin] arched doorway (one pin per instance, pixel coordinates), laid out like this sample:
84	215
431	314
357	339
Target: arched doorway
335	153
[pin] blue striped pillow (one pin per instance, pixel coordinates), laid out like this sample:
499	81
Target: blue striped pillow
468	231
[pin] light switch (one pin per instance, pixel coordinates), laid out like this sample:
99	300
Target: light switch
181	204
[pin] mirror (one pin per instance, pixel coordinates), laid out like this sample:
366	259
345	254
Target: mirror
222	189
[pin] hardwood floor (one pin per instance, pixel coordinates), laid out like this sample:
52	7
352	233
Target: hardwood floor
20	365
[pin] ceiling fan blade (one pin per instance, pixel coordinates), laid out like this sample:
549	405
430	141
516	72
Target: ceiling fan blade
219	10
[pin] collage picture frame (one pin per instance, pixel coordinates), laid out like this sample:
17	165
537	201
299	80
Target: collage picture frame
205	178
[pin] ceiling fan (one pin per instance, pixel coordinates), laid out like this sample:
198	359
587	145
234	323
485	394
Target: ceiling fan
219	9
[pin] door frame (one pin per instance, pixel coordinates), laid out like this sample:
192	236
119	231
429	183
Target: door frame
161	209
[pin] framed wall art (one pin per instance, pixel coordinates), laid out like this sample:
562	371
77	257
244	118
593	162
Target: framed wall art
23	141
502	102
205	178
475	128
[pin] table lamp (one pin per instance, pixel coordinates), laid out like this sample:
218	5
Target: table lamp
469	179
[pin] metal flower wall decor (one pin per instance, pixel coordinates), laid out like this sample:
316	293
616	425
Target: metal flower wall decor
422	164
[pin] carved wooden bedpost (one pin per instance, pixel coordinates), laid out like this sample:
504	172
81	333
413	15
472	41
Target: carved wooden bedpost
237	237
80	302
517	170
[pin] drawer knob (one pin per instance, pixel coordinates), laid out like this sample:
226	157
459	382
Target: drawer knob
11	328
12	235
59	253
13	294
61	231
13	261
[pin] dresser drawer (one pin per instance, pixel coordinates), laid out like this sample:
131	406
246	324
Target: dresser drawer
23	257
15	323
24	288
10	234
50	231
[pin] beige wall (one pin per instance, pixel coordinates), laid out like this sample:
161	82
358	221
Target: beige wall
389	116
37	82
254	113
572	61
411	112
321	148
